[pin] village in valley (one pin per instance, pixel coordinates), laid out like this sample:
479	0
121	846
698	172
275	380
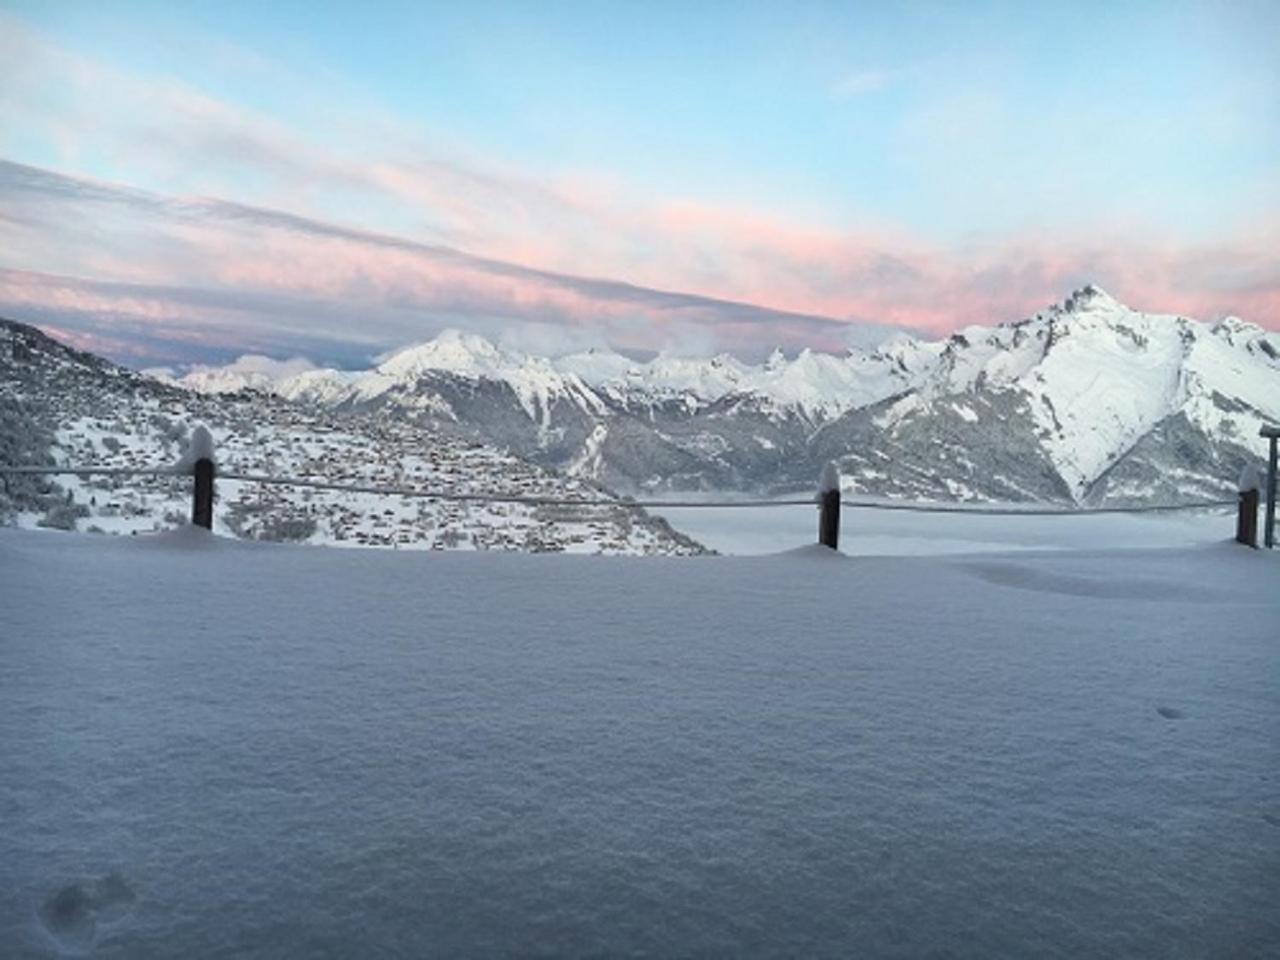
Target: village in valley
80	410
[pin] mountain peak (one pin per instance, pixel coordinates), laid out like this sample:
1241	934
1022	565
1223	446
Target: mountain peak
1090	297
1232	327
451	350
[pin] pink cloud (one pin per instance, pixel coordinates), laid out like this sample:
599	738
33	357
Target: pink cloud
254	278
888	276
578	226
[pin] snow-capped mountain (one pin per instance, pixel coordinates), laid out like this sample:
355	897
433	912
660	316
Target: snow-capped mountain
249	372
1106	402
1087	401
597	380
59	406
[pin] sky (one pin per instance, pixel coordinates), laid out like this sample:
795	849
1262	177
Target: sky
188	182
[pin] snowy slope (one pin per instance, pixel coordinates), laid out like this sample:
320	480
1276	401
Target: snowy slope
1112	375
73	409
534	380
1103	385
1089	380
1096	378
1226	373
215	748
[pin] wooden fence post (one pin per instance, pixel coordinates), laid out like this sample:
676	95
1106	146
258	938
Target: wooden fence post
199	459
829	507
202	503
1247	509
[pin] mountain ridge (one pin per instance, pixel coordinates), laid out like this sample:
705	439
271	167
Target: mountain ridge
1060	399
1045	407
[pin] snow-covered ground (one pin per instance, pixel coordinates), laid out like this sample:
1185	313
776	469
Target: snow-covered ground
226	749
752	531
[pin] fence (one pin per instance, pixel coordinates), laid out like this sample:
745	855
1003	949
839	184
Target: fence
199	463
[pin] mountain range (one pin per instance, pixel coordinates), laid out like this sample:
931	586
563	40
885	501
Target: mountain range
1086	402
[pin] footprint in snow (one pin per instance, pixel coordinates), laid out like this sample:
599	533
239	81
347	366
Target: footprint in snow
1170	713
71	913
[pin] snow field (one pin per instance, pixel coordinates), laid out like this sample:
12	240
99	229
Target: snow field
754	531
220	748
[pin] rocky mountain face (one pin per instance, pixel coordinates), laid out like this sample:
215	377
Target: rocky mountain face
59	406
1087	402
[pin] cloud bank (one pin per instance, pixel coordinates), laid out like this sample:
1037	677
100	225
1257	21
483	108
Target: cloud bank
255	236
173	279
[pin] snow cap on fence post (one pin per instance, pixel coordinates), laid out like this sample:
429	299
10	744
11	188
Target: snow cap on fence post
830	479
1250	478
199	447
199	461
829	506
